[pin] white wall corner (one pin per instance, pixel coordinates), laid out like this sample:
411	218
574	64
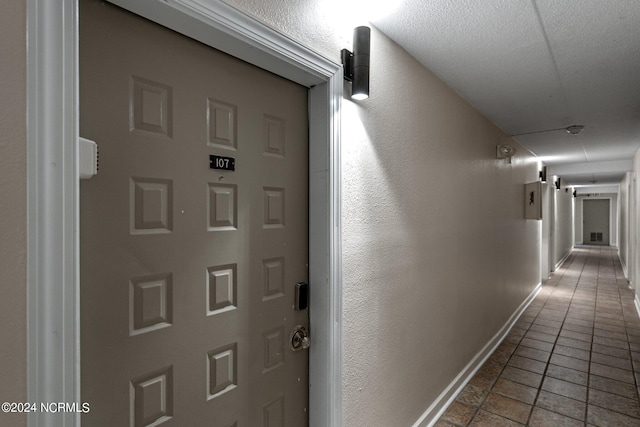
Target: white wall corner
624	267
564	258
637	303
440	405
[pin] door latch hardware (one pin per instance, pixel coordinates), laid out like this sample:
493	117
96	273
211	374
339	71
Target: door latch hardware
302	296
299	339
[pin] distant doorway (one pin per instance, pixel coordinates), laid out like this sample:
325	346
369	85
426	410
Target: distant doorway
595	218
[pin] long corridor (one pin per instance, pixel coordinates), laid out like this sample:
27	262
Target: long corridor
572	359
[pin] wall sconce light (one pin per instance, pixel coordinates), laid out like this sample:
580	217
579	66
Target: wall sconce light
505	151
557	183
543	174
575	193
356	63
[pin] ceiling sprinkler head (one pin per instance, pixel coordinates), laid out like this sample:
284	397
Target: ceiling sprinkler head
574	130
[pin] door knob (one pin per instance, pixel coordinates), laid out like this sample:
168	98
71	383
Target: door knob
299	339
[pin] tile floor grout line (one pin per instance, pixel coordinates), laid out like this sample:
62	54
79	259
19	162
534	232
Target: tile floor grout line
619	299
593	332
555	343
546	368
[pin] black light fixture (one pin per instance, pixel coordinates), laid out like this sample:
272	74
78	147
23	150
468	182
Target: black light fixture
543	174
558	184
356	63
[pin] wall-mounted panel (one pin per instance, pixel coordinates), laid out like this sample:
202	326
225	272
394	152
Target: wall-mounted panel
533	200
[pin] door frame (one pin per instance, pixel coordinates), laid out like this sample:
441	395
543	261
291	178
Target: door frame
611	215
632	236
53	304
545	231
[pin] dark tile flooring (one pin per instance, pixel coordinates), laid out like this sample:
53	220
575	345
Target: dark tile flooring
572	359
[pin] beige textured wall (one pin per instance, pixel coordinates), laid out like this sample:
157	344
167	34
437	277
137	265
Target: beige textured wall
437	254
13	208
318	24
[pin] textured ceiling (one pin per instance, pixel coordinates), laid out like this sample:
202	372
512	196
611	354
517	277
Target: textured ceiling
536	65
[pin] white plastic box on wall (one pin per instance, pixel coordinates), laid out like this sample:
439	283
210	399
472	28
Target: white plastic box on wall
87	158
533	200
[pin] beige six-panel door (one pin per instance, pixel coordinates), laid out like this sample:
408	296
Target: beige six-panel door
188	272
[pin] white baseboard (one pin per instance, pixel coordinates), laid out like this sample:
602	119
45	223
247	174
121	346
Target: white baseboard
624	266
564	258
437	408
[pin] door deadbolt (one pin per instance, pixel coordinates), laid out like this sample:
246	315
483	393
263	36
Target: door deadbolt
299	339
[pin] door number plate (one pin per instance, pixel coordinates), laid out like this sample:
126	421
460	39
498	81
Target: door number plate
220	162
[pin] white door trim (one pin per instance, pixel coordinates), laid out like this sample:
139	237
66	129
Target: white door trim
53	365
612	212
53	249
